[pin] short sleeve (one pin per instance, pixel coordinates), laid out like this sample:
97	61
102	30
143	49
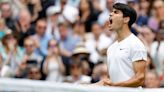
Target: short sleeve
138	53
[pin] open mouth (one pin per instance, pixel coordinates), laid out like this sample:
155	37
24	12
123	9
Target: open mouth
110	20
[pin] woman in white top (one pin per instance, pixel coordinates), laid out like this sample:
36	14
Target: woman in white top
54	68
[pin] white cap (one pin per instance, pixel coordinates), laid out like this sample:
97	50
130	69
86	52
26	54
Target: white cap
53	10
121	1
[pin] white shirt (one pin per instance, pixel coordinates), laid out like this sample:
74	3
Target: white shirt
158	56
121	55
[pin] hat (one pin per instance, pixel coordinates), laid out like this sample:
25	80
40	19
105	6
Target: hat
53	10
80	49
121	1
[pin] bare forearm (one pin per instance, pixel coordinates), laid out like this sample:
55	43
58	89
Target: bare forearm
133	82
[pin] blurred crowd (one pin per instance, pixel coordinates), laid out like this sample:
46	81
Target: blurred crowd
66	40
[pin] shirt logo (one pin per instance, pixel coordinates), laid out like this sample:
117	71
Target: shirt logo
122	48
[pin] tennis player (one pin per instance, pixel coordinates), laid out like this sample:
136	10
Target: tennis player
126	58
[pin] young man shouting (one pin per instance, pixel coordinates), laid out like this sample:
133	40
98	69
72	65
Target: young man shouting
126	58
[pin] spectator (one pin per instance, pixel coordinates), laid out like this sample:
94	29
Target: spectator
6	10
143	10
152	80
54	67
30	53
67	44
81	54
40	38
34	73
11	53
67	41
92	44
157	54
87	14
158	7
79	31
23	26
76	74
53	14
147	36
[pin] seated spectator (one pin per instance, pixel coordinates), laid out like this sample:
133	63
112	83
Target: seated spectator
67	44
81	54
40	38
79	31
30	53
34	73
147	36
23	26
53	14
87	14
157	53
11	53
7	14
53	65
152	80
76	74
158	7
93	43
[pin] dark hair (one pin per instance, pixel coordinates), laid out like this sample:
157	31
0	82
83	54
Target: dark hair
48	45
127	12
91	9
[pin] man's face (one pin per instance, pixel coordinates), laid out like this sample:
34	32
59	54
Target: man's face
63	31
116	20
75	71
41	28
96	29
151	81
6	10
29	46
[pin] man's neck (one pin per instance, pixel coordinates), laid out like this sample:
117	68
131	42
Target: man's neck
123	33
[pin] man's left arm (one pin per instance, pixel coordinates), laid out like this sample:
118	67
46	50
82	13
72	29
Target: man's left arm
137	80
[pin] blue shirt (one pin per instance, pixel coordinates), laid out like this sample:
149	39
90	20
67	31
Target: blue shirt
69	43
43	44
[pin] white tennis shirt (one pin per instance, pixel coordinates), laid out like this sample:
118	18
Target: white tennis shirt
121	55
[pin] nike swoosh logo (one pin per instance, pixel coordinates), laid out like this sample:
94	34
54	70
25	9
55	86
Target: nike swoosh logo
122	48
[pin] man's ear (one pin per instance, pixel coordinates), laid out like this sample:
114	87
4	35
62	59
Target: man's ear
126	20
